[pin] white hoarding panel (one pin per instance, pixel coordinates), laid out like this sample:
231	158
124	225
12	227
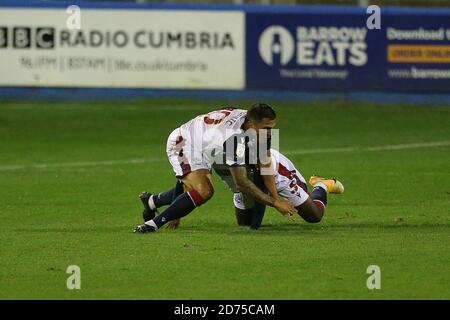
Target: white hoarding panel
122	48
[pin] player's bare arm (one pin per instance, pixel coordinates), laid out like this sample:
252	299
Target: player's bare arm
269	179
247	187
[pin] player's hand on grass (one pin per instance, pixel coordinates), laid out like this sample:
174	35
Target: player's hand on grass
285	207
174	224
290	217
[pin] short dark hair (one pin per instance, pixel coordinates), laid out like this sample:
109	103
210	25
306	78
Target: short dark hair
260	111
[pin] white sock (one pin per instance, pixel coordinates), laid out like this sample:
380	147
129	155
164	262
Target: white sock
151	203
322	185
152	224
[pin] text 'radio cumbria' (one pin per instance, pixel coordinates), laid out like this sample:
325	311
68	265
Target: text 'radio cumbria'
50	38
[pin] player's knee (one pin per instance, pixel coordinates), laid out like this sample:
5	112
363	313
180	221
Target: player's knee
200	196
316	215
200	191
243	217
311	214
242	221
206	192
314	218
200	185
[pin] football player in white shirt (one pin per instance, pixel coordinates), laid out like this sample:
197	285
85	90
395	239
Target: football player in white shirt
290	185
192	150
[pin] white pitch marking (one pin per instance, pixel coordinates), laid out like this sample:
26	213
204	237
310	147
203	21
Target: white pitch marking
409	146
377	148
292	152
329	150
78	164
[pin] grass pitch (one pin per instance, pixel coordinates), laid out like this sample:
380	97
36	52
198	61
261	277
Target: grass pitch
70	174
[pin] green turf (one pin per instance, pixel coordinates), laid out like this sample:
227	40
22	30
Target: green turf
394	213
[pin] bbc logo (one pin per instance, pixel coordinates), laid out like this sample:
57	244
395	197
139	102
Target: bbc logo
26	37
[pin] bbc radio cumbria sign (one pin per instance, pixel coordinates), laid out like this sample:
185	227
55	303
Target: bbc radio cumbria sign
122	48
47	37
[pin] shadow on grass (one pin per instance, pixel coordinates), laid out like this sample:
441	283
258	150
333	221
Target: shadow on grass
82	230
272	229
281	229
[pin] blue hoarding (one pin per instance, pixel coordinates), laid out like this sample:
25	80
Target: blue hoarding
336	51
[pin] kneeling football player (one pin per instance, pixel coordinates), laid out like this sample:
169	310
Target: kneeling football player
290	185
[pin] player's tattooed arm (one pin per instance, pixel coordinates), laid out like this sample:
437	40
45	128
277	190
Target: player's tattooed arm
246	186
268	177
269	182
